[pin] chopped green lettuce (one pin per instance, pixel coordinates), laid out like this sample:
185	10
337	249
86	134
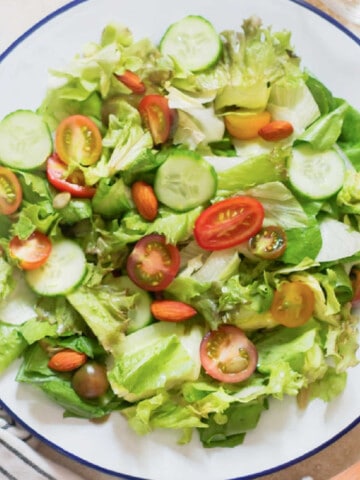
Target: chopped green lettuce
161	355
12	344
339	241
104	309
251	172
325	131
196	123
254	59
293	102
34	370
230	428
6	279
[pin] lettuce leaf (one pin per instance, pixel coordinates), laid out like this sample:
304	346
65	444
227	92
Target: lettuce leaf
325	131
348	198
196	123
253	171
34	370
349	137
293	102
339	241
6	279
104	309
254	58
229	430
161	355
12	344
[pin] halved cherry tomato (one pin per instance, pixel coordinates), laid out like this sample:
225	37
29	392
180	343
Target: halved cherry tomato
228	223
78	140
156	114
228	355
10	192
153	263
56	174
293	304
268	243
245	126
32	252
132	81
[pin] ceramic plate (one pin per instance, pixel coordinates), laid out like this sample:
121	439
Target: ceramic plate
285	435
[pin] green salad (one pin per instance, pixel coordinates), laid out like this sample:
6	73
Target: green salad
183	219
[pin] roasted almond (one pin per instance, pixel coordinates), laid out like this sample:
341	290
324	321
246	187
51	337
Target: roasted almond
276	130
67	360
145	200
172	310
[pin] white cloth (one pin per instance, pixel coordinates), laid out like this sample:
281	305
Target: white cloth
19	459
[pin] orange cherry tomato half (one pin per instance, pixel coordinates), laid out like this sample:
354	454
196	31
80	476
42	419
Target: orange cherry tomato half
245	126
153	263
228	223
269	243
228	355
132	81
10	192
56	172
293	304
156	114
32	252
78	140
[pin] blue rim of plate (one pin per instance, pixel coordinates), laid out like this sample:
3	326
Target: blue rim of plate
124	476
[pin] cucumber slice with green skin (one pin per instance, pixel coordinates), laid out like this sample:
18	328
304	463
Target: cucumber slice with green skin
140	316
63	271
316	175
185	181
192	43
25	140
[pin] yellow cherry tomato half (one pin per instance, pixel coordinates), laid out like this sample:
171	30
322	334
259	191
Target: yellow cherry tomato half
293	304
245	126
78	140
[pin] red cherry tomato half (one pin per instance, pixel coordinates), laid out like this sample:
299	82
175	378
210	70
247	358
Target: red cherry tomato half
227	354
132	81
156	115
32	252
56	173
228	223
293	304
268	243
78	140
153	263
10	192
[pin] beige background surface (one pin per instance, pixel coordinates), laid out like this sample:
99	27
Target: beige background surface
346	450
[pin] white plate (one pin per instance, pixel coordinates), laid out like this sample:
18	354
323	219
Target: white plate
285	435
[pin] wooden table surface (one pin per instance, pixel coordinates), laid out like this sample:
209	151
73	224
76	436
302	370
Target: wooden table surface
346	451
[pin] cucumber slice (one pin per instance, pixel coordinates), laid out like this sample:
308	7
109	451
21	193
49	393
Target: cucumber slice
192	43
185	180
25	140
316	175
63	271
140	316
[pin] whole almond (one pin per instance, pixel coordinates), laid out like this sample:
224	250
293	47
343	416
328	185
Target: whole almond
67	360
145	200
276	130
172	310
